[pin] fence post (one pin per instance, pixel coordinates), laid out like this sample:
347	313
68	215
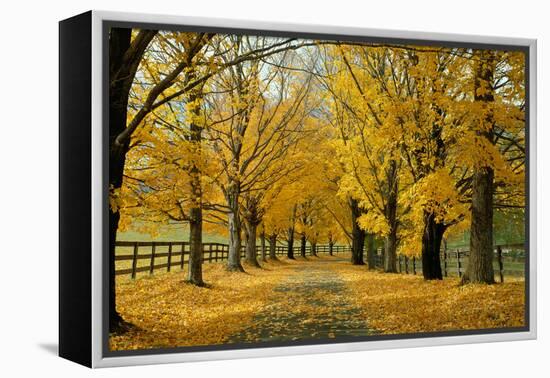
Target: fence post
414	265
500	263
134	261
182	254
169	256
152	263
458	265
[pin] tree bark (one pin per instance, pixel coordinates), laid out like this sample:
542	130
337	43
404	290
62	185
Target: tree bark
118	102
273	246
262	245
290	250
480	262
195	247
251	244
195	213
390	257
371	252
115	320
431	247
314	249
331	247
303	245
358	235
290	244
234	226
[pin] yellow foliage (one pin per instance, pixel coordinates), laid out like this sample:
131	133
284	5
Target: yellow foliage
409	121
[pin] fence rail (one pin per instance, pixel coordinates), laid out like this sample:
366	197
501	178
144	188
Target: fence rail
508	260
133	257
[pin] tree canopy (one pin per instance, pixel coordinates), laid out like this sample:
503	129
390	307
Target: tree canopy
328	140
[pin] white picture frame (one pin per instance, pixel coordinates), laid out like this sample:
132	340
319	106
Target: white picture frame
98	356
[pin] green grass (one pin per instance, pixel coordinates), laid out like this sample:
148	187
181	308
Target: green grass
170	232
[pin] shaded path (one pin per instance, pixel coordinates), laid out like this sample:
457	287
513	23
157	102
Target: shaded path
310	304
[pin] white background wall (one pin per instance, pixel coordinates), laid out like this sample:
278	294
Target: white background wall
29	189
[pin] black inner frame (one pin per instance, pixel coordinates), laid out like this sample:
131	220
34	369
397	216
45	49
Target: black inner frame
107	24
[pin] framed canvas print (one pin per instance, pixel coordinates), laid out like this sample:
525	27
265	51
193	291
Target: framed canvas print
233	189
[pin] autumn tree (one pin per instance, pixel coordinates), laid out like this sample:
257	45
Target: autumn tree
256	117
367	147
166	177
496	128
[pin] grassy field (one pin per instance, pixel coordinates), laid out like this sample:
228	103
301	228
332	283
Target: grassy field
171	232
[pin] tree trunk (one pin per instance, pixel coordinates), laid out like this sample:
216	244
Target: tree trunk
273	246
115	320
290	249
251	244
303	245
371	252
390	260
331	247
480	261
290	239
195	213
358	235
390	257
234	226
118	103
314	249
195	247
262	245
119	43
431	247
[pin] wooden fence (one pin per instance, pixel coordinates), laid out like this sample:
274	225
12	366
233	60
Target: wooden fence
133	257
509	260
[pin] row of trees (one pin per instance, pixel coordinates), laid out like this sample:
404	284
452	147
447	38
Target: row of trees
284	140
431	140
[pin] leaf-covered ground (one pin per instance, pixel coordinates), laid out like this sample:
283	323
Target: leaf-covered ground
289	300
312	303
399	303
